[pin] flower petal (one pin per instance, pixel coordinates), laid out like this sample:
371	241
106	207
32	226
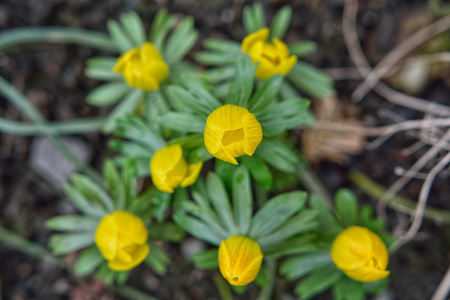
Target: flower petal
194	171
352	248
139	255
286	65
124	59
150	53
106	237
249	40
253	133
366	274
131	226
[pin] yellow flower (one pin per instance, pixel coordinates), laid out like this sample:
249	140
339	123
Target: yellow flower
143	68
232	131
170	169
272	58
240	259
360	254
122	240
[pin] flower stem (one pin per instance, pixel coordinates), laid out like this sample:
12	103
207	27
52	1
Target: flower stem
133	294
266	292
18	36
311	182
223	287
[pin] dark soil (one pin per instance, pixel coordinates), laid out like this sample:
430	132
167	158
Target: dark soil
52	78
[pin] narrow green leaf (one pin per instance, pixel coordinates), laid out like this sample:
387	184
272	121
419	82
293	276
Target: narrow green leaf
183	122
280	22
105	274
293	246
203	97
155	105
157	259
100	68
129	174
75	223
206	260
166	232
278	155
186	101
287	91
242	200
347	207
266	94
367	219
275	213
66	243
259	170
180	41
328	222
303	222
131	149
216	59
259	15
217	75
302	48
87	261
127	105
296	267
119	37
348	289
197	229
134	27
161	203
242	85
220	201
137	130
226	46
92	191
249	19
107	94
199	154
188	142
319	281
113	183
161	25
225	170
311	80
83	204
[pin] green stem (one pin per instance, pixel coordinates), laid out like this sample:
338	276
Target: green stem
401	204
267	291
311	182
18	36
223	287
57	128
17	99
132	293
17	242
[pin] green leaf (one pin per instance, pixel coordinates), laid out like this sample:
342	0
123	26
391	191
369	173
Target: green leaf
157	259
113	183
107	94
183	122
101	68
266	93
105	274
281	22
348	289
215	59
199	154
131	149
278	155
188	142
197	103
319	281
72	223
203	97
303	222
206	260
275	213
253	17
166	232
259	170
242	85
180	41
367	220
225	46
155	106
302	48
92	191
329	224
220	201
127	105
296	267
87	261
119	37
242	200
347	207
287	91
134	27
161	203
197	229
138	131
297	245
162	23
225	171
129	182
284	115
311	80
83	204
262	279
217	75
66	243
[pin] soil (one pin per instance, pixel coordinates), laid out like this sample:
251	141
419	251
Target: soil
52	78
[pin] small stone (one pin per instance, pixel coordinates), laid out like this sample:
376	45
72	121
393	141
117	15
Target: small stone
54	167
190	247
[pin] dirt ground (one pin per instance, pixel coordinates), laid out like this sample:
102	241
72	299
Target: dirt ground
52	78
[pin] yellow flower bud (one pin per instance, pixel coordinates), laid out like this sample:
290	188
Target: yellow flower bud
143	68
170	169
273	58
240	259
360	254
122	240
232	131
